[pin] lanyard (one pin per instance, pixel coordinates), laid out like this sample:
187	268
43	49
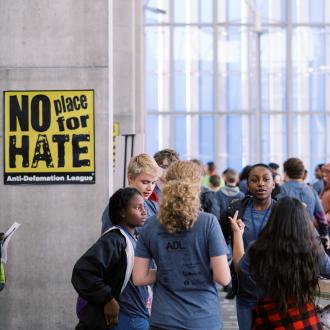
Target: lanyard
262	221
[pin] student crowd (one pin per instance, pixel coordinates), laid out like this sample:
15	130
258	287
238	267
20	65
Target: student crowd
179	229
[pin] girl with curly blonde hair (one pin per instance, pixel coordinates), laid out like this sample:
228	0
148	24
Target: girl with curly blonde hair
190	252
180	205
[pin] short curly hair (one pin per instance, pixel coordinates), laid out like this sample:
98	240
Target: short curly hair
180	206
184	170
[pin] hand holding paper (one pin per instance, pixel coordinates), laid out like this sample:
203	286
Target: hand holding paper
5	240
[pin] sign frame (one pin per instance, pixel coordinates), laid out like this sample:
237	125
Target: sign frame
49	123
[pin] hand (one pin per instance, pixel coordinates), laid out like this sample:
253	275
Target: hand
237	225
111	312
326	242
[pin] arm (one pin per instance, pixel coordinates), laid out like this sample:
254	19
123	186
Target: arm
225	225
322	221
238	246
324	262
142	274
221	272
91	273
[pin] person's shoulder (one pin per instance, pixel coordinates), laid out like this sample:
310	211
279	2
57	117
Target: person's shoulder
285	186
113	236
151	205
150	202
240	195
152	221
206	219
238	203
220	192
208	193
205	215
151	225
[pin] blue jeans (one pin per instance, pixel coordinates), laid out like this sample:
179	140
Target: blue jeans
244	313
131	322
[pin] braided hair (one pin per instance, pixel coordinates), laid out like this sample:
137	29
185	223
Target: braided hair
119	202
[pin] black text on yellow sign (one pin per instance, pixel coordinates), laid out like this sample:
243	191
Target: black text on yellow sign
49	137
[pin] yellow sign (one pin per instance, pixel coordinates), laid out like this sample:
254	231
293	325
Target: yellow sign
49	137
115	132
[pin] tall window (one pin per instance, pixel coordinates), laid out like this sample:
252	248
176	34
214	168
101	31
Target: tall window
238	81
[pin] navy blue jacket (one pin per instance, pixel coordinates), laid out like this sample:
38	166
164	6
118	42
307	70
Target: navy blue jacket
98	276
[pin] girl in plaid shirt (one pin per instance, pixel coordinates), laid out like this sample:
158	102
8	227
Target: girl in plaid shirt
284	264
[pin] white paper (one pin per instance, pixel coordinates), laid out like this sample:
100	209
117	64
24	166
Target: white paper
5	240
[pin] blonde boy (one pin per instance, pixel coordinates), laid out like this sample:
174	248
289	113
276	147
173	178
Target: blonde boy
142	174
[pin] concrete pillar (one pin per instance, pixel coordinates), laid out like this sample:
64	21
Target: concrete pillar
128	83
57	45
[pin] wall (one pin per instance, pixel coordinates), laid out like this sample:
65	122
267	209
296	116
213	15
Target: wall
128	81
47	44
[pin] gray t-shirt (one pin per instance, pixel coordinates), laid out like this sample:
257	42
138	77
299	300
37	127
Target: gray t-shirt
185	296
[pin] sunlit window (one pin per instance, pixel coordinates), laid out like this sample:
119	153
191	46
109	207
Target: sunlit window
238	81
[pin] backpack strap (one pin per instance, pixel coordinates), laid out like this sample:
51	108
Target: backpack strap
129	250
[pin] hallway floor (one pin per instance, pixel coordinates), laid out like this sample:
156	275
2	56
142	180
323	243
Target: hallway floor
228	310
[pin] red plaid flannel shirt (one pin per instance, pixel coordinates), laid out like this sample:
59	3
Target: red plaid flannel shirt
267	316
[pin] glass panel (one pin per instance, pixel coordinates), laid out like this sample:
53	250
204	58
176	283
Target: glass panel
151	92
309	137
157	45
157	64
300	9
151	40
179	69
152	142
164	131
233	69
316	8
271	11
234	142
193	65
309	68
273	63
179	10
234	10
327	12
193	11
205	11
317	141
308	11
205	74
206	93
206	138
180	136
179	92
274	138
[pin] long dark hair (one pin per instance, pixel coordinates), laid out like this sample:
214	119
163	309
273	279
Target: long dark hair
285	258
119	202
